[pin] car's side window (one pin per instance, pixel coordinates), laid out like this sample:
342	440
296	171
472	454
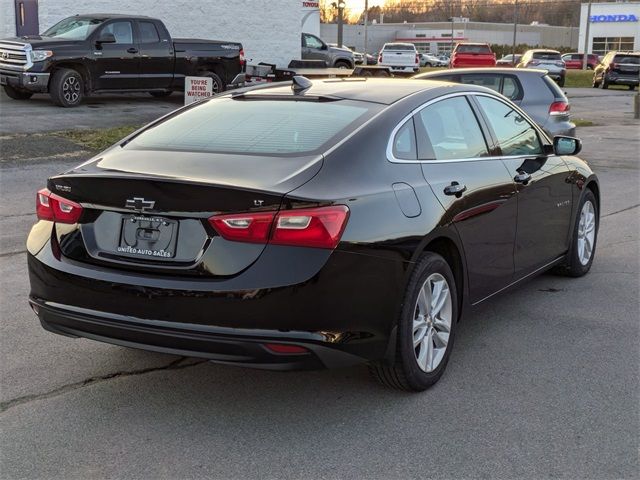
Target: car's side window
488	80
404	143
449	130
148	33
122	32
515	135
313	42
511	88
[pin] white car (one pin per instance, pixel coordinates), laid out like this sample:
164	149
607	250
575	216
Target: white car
400	57
428	60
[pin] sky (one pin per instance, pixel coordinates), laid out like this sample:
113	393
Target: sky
358	5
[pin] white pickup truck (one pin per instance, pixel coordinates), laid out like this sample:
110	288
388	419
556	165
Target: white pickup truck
400	57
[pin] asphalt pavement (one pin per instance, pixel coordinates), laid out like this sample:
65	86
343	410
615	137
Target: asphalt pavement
543	382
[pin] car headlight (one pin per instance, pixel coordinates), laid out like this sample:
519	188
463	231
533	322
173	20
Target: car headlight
40	55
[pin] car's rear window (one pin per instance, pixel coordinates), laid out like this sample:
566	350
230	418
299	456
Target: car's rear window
260	126
546	56
399	46
629	59
473	49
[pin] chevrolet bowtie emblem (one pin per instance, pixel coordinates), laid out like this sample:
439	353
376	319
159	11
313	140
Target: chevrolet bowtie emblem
139	204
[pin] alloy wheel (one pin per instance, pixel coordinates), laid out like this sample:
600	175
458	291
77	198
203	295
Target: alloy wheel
432	322
586	232
71	89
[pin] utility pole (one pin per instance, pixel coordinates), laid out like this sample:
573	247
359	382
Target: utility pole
341	6
515	33
366	24
585	54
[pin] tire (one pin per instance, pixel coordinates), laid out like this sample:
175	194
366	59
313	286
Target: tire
411	369
594	84
218	85
66	88
17	94
160	94
632	87
577	264
342	64
561	82
604	84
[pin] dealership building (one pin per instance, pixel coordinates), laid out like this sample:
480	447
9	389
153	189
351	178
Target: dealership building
439	37
268	29
611	26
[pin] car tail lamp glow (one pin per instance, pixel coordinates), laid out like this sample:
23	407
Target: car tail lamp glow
380	58
250	227
559	108
285	348
242	60
320	227
54	208
417	58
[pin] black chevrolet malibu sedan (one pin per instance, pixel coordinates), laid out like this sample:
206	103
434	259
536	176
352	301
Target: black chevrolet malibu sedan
311	225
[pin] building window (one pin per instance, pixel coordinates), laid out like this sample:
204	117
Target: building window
602	45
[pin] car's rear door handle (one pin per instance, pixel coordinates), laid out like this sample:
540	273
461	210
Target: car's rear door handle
132	50
455	189
522	177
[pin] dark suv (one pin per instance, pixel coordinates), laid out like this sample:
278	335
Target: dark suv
618	68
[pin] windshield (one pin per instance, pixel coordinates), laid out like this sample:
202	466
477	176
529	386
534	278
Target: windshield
629	59
257	126
546	55
399	47
473	49
73	28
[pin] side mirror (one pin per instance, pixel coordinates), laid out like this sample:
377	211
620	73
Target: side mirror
566	145
324	47
106	37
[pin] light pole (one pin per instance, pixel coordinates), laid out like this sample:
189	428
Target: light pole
366	21
340	6
585	54
515	33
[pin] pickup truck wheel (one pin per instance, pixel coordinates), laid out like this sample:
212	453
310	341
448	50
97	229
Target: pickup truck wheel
218	84
342	64
66	88
160	94
17	94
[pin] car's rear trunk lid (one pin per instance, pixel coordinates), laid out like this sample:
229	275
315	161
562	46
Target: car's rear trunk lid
150	208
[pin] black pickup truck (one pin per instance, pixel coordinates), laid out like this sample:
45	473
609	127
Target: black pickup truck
111	54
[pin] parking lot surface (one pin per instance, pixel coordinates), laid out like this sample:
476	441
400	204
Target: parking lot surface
543	381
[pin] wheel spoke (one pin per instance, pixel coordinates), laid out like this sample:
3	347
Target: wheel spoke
423	300
422	355
441	339
428	345
441	325
440	295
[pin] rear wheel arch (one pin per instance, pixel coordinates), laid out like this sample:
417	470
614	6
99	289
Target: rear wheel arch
451	252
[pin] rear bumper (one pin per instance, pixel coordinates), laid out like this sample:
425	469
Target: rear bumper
618	79
229	346
32	81
341	310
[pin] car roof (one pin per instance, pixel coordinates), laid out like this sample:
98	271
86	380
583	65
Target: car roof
375	90
108	16
505	70
550	50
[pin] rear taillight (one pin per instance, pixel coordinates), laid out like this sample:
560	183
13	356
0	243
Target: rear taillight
380	58
559	108
613	66
54	208
307	227
533	62
417	58
242	56
250	227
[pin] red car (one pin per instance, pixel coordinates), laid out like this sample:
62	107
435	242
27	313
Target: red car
574	61
472	55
